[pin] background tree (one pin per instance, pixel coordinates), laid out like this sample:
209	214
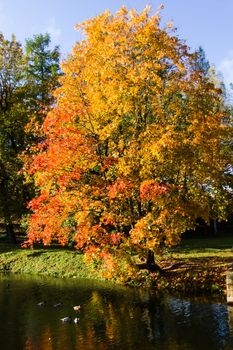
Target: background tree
133	153
203	64
13	118
26	84
42	72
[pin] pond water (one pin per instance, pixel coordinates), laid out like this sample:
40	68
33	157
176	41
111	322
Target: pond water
111	317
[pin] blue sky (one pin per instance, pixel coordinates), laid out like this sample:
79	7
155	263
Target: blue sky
208	23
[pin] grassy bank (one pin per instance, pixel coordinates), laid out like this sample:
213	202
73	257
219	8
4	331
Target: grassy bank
197	266
52	261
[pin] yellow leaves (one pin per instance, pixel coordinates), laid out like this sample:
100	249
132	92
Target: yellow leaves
153	231
147	233
122	12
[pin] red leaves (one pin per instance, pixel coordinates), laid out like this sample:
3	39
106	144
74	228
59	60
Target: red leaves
109	161
120	189
150	189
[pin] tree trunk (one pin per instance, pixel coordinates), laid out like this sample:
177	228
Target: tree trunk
150	258
150	263
215	227
10	233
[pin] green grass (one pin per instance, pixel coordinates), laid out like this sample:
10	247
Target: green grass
221	246
52	261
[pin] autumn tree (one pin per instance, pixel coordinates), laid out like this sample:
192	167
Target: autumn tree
133	152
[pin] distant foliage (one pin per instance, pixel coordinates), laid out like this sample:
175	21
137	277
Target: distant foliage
41	73
13	118
26	84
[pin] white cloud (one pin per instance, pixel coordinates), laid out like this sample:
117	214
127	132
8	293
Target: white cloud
226	67
53	29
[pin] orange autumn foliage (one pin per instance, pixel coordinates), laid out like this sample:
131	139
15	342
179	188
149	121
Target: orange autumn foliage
133	151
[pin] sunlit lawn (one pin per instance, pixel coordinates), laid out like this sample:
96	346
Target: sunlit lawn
221	246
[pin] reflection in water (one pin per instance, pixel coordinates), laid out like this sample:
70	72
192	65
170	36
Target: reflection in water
110	318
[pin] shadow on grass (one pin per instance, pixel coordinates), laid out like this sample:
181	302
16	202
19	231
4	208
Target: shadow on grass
205	243
37	250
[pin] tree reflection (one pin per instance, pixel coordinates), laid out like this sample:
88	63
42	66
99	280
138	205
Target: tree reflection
111	317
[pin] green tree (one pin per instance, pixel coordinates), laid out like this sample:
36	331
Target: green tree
42	73
202	63
42	70
13	118
27	79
